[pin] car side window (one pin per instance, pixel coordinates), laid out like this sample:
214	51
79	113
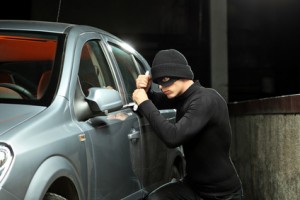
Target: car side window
94	70
127	68
140	65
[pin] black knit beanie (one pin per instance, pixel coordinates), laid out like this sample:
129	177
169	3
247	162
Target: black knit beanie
170	63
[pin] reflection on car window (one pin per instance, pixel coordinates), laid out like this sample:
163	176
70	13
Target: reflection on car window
94	70
127	68
24	59
140	65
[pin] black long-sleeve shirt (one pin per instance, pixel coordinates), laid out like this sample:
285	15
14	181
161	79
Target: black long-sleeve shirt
203	129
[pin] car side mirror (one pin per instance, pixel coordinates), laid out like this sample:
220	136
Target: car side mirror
103	100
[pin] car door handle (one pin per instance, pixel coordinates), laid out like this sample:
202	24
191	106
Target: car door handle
134	134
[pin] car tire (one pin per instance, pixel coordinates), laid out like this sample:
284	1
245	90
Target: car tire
53	196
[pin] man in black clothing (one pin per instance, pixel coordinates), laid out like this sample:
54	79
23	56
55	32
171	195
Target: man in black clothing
202	127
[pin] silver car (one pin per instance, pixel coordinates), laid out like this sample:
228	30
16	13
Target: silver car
68	129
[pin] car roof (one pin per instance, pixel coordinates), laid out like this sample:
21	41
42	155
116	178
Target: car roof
49	27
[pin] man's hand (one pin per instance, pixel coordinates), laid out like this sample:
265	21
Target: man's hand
139	96
143	82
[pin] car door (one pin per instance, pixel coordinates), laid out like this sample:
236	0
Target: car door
122	58
151	159
111	175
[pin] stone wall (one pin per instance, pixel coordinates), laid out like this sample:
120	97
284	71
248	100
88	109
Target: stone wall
266	152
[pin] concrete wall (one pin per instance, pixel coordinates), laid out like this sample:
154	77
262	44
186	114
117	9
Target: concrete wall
266	152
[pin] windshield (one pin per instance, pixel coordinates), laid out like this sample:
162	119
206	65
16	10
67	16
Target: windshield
26	66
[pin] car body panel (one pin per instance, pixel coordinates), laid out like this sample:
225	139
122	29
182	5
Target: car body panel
9	120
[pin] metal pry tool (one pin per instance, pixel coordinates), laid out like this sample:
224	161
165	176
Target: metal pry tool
135	106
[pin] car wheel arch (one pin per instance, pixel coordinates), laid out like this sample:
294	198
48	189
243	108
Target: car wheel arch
52	171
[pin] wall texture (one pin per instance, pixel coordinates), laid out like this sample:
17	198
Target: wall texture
266	152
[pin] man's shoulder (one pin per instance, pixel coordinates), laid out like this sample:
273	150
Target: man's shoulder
208	94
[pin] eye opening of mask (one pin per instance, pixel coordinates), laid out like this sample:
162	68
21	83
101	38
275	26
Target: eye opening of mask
166	81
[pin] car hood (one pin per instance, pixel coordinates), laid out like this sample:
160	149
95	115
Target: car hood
11	115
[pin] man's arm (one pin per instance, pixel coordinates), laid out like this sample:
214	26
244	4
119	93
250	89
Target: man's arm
194	120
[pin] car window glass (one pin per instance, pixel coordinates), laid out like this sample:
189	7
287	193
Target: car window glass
26	67
94	70
140	65
128	69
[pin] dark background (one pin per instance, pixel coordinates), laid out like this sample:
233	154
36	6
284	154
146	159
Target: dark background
262	35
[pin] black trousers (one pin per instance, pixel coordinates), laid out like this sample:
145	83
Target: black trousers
182	191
